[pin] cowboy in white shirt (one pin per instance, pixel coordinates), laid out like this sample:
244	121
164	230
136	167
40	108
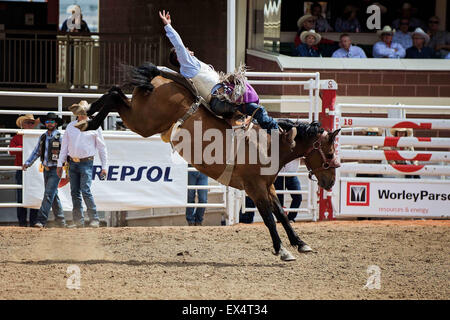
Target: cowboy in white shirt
386	48
79	148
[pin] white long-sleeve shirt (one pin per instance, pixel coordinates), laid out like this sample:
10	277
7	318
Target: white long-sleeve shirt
82	144
189	65
291	166
381	50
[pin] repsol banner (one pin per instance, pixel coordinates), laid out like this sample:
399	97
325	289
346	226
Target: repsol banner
403	198
141	173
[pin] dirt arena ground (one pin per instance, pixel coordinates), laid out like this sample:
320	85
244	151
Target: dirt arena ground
228	262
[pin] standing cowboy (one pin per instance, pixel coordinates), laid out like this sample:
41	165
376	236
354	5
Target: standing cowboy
23	122
79	148
47	150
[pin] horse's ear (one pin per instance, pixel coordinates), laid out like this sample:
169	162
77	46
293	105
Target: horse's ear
333	135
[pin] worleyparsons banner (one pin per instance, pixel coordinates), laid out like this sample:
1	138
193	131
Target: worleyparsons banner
142	173
401	198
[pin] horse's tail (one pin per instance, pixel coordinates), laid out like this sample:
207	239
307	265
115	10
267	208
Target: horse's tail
140	77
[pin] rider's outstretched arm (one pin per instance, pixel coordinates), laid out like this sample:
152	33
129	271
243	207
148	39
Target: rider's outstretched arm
189	64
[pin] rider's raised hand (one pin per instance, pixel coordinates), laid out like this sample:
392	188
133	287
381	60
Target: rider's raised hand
165	17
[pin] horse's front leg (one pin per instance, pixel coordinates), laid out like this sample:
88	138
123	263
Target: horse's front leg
262	202
279	213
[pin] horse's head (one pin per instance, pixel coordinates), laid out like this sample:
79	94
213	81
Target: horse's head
320	159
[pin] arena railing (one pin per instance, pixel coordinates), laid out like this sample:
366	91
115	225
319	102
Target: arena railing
233	199
429	164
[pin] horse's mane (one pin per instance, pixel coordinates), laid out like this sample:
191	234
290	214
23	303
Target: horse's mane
304	130
140	77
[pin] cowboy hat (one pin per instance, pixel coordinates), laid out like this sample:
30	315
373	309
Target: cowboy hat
376	130
311	32
303	19
52	116
386	29
409	131
80	109
21	119
422	33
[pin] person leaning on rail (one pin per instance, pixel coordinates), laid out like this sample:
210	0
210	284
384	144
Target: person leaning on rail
404	132
78	148
47	149
370	132
290	183
23	122
194	216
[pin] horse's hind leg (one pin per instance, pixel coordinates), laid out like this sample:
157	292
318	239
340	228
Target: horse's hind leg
99	103
107	103
278	211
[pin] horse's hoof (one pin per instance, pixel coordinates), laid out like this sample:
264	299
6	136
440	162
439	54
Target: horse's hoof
304	248
82	125
285	255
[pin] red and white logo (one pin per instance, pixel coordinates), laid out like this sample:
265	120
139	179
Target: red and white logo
358	194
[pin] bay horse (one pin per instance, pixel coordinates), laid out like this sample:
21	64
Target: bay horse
157	103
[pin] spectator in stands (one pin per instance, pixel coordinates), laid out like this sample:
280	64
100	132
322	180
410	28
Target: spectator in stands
308	48
447	56
47	149
439	39
79	148
386	48
348	22
23	122
370	132
419	49
406	12
348	50
403	132
304	23
75	22
403	36
322	24
292	184
194	216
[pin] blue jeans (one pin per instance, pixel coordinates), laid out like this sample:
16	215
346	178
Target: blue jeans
289	183
263	118
248	216
80	174
22	212
198	179
51	199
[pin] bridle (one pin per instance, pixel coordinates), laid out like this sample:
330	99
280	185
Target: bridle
326	164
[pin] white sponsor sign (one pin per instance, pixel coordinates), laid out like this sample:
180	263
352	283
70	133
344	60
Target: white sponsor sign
402	198
142	173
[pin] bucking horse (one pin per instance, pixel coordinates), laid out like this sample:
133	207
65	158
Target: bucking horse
161	104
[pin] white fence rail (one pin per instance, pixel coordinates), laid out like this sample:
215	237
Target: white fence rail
376	191
231	198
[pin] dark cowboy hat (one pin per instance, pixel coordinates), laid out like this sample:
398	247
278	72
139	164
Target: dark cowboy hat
52	116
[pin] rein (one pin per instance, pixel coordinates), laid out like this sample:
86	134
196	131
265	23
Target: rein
326	164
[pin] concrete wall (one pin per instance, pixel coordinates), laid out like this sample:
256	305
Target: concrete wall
367	83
